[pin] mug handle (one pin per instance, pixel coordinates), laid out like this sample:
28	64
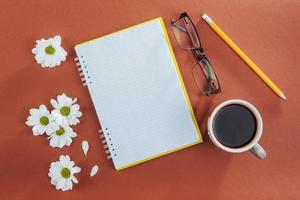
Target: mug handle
258	151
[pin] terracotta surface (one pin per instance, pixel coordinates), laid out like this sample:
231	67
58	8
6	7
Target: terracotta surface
268	31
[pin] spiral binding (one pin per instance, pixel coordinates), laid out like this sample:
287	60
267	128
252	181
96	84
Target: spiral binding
106	141
83	79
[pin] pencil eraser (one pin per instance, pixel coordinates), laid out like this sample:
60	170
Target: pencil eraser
207	18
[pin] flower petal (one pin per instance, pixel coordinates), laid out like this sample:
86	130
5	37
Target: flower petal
31	121
41	130
76	169
43	108
34	111
64	160
54	142
68	101
74	179
68	185
62	142
35	130
60	184
94	170
61	99
68	140
85	147
57	40
39	57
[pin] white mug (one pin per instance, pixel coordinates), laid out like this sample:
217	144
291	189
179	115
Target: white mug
253	145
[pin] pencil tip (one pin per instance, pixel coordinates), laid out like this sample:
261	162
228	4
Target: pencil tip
283	96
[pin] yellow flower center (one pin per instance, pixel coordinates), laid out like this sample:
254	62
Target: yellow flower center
65	172
60	132
50	50
65	111
44	120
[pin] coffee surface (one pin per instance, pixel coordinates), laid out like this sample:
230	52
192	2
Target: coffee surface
234	126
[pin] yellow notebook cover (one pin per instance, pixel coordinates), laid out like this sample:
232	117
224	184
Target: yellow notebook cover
138	94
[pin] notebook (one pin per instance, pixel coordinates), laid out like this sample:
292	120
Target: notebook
138	94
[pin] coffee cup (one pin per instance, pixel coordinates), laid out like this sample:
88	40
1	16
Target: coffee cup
236	126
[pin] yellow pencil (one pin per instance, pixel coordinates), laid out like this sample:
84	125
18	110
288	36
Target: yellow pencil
247	60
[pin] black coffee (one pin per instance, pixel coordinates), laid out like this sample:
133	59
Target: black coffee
234	126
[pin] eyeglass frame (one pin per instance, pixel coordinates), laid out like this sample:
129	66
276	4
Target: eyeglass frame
197	52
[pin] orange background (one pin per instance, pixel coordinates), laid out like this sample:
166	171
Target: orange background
268	31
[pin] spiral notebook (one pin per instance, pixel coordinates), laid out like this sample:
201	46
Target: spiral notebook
138	94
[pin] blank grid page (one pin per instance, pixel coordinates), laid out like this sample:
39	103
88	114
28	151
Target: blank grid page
137	93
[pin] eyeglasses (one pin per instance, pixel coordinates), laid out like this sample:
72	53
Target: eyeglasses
188	39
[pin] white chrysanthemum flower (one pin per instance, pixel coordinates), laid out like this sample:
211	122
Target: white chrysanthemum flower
62	136
41	121
62	173
66	110
49	53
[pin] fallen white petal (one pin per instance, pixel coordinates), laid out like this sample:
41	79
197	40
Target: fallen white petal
94	170
85	147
